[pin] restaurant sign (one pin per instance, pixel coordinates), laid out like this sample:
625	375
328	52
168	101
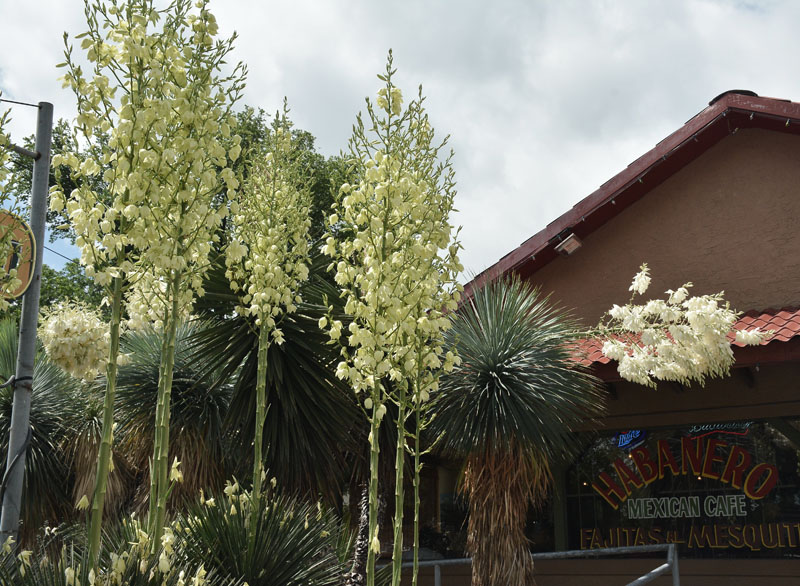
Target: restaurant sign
704	458
719	490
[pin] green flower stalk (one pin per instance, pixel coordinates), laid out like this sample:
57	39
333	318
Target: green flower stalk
396	264
267	261
155	110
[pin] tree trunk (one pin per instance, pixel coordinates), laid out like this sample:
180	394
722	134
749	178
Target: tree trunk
501	487
358	571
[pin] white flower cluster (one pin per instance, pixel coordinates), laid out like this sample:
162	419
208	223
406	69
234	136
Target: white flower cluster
148	302
168	138
682	338
266	259
76	339
397	267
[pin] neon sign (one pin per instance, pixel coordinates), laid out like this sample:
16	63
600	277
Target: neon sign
627	440
698	431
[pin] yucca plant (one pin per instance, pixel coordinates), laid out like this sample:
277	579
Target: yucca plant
197	412
312	418
60	558
509	409
295	542
46	485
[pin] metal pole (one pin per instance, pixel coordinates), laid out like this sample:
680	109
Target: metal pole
437	575
23	385
673	558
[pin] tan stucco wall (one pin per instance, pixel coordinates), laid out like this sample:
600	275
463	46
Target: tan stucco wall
727	221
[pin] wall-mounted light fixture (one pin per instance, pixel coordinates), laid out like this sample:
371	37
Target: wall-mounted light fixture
568	245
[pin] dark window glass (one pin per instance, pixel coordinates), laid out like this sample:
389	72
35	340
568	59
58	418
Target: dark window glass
729	490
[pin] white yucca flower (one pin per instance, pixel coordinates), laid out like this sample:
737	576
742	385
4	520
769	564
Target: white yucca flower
751	337
682	339
75	338
641	281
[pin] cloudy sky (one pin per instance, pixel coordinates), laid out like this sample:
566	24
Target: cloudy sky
544	101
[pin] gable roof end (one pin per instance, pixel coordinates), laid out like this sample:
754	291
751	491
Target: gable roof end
725	115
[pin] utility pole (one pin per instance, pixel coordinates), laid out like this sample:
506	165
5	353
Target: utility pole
23	380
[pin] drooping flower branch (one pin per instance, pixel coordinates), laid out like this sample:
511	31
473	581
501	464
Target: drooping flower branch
681	338
396	264
75	338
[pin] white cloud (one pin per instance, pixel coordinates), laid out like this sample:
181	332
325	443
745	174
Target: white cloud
545	101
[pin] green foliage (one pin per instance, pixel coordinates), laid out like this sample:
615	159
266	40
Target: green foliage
312	418
296	543
517	382
70	283
323	175
60	558
63	142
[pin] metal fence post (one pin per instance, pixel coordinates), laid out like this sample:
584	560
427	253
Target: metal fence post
673	558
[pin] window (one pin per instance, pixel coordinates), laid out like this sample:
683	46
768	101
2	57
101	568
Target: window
721	490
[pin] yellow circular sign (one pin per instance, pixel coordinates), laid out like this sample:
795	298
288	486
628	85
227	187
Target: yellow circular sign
17	239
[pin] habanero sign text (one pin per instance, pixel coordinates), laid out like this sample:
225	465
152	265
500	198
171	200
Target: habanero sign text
702	457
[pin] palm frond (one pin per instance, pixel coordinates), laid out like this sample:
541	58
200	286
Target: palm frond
198	408
46	483
63	553
81	446
311	414
295	543
517	383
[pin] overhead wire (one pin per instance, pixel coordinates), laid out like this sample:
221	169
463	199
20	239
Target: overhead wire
20	103
58	253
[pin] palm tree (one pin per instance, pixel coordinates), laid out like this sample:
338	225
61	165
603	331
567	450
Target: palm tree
81	446
509	409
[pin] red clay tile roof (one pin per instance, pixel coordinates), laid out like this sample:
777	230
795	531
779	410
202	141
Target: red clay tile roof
784	322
